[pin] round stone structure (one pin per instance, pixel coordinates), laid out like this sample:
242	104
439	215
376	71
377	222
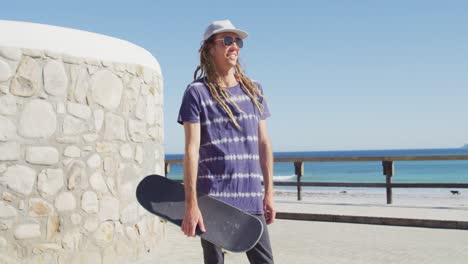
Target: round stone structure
80	124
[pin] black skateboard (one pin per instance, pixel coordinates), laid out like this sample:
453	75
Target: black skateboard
226	226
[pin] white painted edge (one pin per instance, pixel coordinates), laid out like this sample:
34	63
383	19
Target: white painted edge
74	42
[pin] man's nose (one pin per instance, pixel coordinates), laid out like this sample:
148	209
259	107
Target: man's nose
234	45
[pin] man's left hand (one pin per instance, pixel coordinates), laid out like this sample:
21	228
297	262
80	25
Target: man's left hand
269	209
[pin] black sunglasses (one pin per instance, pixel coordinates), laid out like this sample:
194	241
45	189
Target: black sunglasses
228	40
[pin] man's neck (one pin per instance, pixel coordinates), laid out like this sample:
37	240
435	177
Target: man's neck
228	78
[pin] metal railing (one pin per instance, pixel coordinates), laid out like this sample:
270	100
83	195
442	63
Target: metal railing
387	171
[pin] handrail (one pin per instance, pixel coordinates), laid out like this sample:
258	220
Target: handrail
359	158
387	165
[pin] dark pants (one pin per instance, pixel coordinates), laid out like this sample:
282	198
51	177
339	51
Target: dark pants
260	254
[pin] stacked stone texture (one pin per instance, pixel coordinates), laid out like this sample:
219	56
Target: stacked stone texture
76	136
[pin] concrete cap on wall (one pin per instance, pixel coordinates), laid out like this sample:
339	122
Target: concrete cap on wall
74	42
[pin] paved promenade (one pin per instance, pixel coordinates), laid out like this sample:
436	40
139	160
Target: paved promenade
302	242
323	242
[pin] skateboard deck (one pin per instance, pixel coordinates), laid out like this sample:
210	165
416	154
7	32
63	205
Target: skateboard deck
226	226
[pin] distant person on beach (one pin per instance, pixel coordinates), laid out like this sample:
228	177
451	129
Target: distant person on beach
227	149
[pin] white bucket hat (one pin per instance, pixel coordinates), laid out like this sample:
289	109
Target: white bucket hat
223	26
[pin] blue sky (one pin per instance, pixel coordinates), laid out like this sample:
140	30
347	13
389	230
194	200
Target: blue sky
338	75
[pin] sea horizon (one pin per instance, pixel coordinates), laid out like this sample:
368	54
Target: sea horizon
360	150
439	171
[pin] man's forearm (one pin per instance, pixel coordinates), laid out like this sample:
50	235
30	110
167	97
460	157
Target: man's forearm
266	163
190	178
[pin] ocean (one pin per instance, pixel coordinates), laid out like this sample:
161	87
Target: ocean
369	172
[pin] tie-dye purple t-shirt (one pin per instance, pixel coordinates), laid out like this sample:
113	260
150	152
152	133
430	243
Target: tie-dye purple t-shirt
228	167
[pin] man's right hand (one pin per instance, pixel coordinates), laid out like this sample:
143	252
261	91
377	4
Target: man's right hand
192	218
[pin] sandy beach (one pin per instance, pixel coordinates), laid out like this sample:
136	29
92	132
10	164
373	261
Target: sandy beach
377	196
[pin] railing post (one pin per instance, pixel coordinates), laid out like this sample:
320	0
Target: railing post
299	171
167	168
388	172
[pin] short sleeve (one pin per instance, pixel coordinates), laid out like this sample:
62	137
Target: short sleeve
266	111
190	108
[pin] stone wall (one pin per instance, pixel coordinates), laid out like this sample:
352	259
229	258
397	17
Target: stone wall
76	136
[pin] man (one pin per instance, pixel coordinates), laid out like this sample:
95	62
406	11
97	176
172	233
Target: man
227	149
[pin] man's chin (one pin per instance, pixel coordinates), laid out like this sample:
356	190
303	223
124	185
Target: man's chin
233	62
